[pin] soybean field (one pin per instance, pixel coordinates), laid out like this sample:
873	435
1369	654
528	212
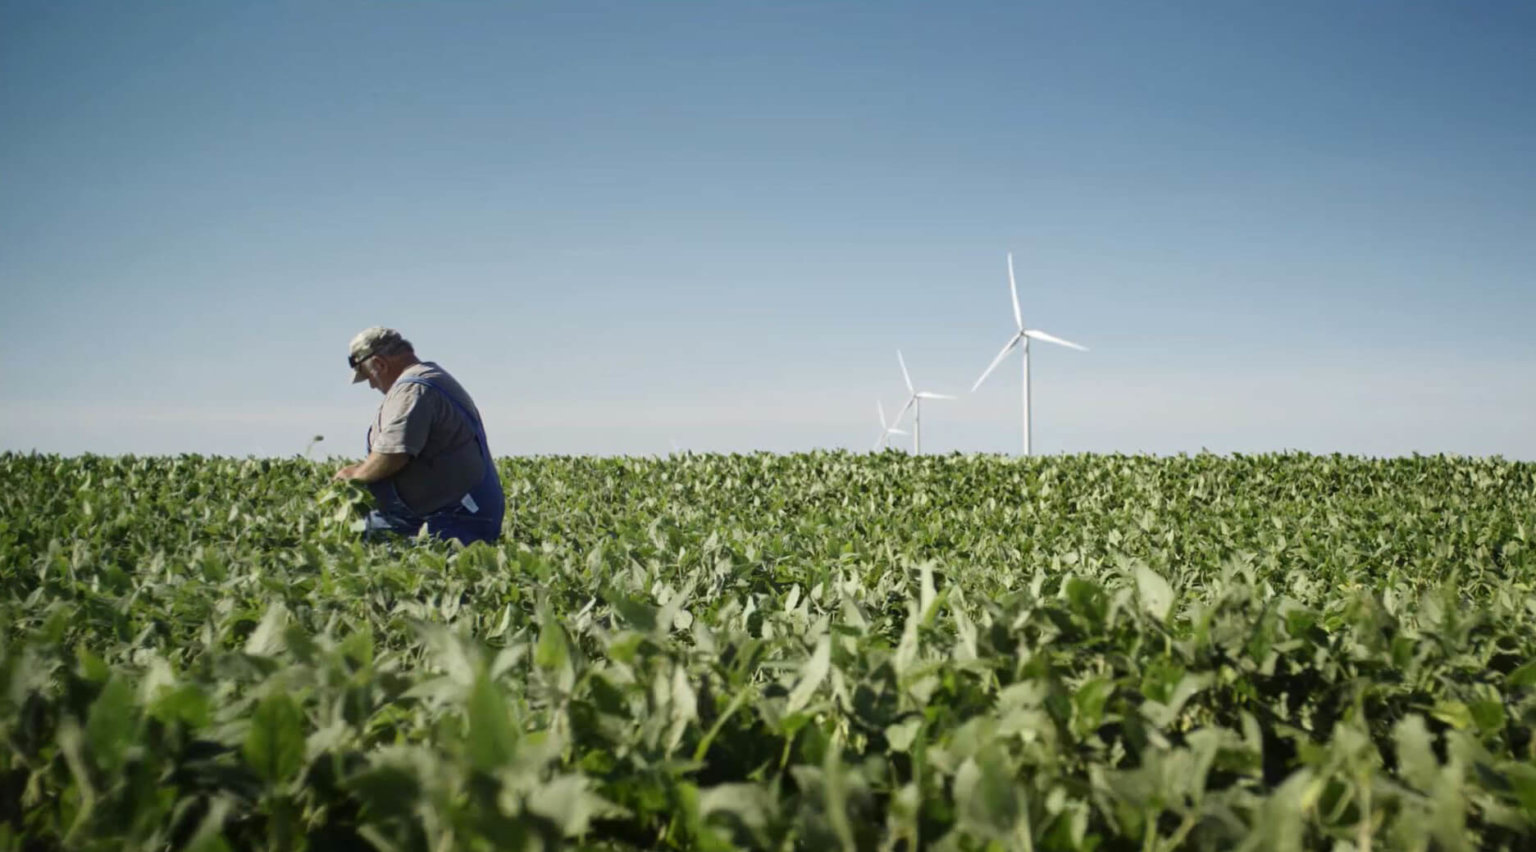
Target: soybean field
817	651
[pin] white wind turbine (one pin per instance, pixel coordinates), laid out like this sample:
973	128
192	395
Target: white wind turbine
915	402
886	429
1022	336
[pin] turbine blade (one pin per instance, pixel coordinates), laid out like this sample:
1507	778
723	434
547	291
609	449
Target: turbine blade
1007	347
881	410
898	431
906	377
927	395
1050	338
1013	290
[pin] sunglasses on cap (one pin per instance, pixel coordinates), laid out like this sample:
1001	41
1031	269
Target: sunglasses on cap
354	362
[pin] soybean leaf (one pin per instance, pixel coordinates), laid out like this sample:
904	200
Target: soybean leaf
1155	593
274	746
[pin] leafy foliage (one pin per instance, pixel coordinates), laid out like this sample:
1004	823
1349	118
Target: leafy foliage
820	650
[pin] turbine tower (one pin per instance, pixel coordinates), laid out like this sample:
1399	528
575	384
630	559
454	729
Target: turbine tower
915	402
1021	339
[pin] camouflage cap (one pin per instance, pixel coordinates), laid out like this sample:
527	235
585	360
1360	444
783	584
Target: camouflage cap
370	342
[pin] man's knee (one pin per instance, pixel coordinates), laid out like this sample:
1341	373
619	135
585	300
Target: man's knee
377	523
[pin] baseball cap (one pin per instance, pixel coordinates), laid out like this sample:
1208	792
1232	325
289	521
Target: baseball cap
377	340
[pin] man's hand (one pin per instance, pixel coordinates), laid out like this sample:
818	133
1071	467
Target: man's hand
377	467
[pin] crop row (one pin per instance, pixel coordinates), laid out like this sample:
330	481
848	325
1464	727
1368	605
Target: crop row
712	652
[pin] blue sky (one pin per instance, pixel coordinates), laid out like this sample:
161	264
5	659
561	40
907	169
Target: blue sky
1278	226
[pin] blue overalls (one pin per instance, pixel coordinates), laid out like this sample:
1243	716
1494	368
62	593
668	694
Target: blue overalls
476	517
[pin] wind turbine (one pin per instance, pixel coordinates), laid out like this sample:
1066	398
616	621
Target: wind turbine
1022	336
915	402
886	429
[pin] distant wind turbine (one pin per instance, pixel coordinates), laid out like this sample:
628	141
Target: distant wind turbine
1022	336
915	402
886	429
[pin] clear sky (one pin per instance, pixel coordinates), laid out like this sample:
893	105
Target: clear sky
1278	226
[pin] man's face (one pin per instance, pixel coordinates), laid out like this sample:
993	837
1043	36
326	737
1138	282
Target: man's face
373	367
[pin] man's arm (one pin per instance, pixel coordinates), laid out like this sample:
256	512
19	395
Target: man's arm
377	467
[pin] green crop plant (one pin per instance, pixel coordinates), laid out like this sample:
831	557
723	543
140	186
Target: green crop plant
824	650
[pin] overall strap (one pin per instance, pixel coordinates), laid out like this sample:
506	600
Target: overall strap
474	421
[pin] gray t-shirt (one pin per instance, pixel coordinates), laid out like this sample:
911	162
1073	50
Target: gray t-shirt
445	456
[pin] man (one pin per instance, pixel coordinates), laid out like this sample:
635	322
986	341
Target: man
428	461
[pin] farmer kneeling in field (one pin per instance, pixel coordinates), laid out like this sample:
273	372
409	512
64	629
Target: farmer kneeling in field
428	461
